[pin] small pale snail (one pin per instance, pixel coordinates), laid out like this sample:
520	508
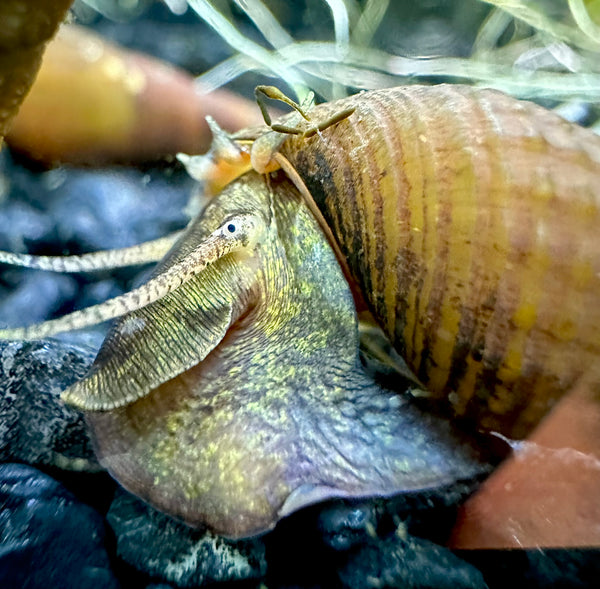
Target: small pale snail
232	394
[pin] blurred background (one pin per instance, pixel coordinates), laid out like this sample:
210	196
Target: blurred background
543	48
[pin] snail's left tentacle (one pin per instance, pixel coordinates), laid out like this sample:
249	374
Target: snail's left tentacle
143	253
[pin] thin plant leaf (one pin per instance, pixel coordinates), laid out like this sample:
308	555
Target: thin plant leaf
231	35
369	21
584	21
534	16
265	22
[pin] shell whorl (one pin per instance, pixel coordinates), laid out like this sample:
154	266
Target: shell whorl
470	220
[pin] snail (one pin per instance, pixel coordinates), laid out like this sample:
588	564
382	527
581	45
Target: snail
230	393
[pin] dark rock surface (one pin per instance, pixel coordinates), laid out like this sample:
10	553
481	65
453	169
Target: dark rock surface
344	525
164	548
73	211
22	295
556	568
47	537
407	562
112	195
376	543
35	426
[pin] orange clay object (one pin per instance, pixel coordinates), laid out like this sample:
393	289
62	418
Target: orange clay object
546	494
94	102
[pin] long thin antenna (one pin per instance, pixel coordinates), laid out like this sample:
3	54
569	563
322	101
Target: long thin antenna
143	253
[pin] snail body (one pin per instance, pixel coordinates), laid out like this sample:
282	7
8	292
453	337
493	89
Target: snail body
239	397
471	222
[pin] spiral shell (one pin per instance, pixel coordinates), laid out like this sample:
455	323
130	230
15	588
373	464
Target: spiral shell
470	220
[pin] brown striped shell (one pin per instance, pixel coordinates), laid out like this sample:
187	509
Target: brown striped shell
472	222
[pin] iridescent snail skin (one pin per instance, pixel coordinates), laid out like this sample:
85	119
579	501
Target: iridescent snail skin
471	222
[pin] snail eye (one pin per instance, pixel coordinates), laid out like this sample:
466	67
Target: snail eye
231	228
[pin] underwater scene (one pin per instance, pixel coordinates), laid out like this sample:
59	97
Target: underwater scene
299	295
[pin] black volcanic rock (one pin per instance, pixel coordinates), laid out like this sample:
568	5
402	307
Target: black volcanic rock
47	537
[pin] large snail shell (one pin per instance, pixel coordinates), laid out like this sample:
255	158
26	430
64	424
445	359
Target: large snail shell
472	222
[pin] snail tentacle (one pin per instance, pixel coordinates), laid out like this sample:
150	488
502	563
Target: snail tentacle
143	253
